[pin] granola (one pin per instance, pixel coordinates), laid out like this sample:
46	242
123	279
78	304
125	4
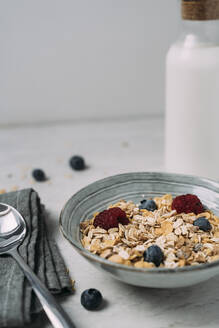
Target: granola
181	242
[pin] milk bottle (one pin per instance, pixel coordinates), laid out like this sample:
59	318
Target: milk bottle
192	92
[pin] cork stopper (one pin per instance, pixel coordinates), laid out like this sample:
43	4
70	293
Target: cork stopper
200	9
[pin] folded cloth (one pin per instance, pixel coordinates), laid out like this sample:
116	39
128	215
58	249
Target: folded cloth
17	300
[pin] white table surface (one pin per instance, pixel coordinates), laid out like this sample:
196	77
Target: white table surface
109	148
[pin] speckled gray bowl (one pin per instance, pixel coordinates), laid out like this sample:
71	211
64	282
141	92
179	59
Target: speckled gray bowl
131	186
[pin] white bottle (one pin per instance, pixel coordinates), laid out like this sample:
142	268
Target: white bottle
192	93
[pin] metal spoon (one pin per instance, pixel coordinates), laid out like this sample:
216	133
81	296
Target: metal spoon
12	232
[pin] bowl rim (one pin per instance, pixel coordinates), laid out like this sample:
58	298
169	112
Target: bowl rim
98	259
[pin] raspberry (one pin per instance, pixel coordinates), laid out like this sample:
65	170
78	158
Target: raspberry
111	218
120	214
187	204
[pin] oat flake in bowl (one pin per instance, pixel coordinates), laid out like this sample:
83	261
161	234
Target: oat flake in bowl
182	242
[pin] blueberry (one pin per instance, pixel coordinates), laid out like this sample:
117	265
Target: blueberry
203	224
149	205
154	254
39	175
77	163
143	204
91	299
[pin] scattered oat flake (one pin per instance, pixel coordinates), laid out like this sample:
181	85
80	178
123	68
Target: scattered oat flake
73	284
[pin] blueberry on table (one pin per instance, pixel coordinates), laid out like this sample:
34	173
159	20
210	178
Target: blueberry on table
91	299
77	163
149	205
39	175
154	254
203	224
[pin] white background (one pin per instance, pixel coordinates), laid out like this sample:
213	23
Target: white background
83	59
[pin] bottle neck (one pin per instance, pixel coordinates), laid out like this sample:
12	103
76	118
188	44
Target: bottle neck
198	28
198	33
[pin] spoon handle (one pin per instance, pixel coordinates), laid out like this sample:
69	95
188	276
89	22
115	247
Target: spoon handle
54	311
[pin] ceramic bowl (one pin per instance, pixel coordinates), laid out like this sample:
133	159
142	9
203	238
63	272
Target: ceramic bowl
131	186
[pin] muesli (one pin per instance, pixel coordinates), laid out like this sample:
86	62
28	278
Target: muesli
158	232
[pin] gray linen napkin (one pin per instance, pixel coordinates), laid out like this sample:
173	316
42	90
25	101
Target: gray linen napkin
17	300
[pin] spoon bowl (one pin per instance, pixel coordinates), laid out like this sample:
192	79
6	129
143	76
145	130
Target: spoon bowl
12	228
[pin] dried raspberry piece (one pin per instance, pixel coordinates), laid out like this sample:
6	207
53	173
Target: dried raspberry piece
121	215
187	204
116	211
105	220
111	218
